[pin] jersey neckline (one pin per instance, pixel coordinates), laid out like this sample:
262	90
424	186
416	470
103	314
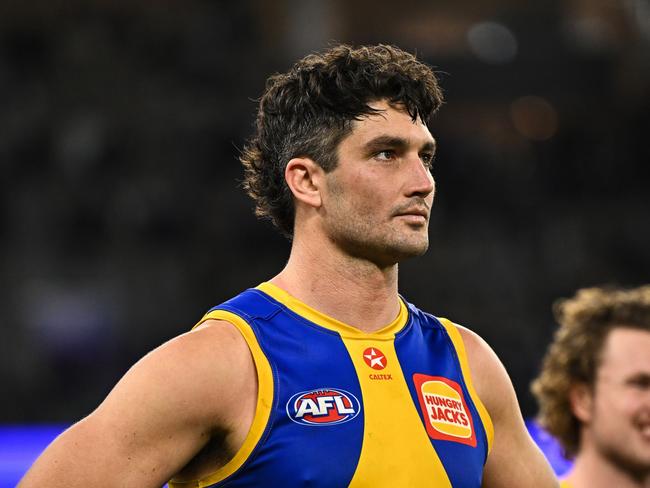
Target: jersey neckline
323	320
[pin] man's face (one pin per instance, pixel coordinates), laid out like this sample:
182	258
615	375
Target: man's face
620	422
377	200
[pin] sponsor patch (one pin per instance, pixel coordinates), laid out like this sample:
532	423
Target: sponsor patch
375	358
326	406
446	416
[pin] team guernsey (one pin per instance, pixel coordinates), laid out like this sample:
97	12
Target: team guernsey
338	407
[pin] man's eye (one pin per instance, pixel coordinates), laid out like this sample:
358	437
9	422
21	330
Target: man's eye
427	159
642	382
386	155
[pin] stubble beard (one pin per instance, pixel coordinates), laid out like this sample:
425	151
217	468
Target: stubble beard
383	245
624	457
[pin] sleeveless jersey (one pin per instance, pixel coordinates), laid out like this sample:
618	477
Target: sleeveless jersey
338	407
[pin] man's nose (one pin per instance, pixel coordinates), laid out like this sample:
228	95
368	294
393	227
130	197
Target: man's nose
421	182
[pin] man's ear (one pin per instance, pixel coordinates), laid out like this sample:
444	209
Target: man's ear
581	400
304	178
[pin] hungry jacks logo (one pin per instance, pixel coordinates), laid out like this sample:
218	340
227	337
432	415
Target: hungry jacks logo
446	416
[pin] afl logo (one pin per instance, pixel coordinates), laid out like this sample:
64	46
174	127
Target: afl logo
327	406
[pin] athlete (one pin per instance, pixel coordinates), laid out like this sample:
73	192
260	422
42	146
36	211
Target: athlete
594	387
323	376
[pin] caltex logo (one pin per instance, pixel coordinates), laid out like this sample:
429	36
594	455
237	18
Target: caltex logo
326	406
374	358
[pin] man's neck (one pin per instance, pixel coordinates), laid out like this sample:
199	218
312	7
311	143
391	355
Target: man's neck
356	292
593	470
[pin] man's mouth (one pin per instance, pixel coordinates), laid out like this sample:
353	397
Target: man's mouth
643	424
415	214
645	431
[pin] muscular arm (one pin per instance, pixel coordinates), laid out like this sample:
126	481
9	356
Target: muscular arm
514	459
159	415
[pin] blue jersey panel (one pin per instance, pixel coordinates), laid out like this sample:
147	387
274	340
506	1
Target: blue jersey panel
311	368
424	348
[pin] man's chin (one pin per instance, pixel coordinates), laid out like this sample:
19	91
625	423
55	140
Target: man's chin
386	252
635	462
416	246
416	251
407	250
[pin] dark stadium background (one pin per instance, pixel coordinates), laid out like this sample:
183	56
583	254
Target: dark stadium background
121	214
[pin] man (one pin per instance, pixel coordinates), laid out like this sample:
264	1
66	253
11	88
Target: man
322	376
594	387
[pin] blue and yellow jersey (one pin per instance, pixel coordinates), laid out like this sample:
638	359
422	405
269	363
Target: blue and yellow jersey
338	407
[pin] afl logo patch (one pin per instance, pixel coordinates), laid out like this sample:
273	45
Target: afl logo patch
327	406
444	409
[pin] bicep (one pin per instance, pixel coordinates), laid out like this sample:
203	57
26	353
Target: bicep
92	453
151	424
514	459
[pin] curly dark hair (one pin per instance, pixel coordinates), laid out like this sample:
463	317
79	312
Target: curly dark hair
307	112
574	356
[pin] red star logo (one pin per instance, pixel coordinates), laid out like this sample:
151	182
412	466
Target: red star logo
374	358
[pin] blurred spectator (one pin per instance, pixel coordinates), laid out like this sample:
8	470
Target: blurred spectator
594	387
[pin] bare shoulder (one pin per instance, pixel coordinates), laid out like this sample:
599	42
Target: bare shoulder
201	363
514	459
214	352
489	376
158	416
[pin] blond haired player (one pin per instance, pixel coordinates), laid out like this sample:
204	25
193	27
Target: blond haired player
594	387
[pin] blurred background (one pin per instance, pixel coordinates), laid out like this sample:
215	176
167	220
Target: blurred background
122	217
